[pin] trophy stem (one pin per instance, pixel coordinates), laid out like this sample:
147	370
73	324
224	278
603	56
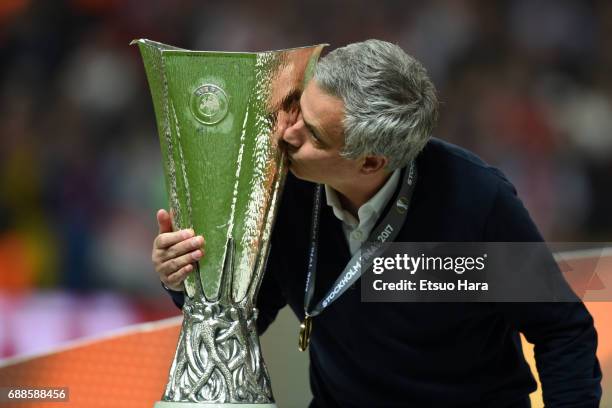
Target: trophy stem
218	358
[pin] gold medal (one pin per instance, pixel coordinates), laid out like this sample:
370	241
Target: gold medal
305	329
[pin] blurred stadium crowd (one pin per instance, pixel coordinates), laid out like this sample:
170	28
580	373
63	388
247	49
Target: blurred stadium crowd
525	84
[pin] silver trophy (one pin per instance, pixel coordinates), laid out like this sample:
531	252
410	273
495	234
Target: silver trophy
220	116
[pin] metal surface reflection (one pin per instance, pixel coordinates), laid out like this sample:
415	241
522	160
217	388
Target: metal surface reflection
220	117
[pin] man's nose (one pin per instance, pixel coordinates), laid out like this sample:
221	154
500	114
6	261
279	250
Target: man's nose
293	135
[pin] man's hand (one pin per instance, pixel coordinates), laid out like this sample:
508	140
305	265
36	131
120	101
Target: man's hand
175	252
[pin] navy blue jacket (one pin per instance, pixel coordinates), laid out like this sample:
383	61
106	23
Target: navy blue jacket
430	354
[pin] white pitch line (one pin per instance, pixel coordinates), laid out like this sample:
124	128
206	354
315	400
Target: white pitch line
583	253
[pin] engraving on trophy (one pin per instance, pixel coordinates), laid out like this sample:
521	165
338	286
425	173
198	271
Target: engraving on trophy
209	104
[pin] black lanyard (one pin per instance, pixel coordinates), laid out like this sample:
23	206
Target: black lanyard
387	230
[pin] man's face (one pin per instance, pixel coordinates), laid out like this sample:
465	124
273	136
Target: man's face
315	140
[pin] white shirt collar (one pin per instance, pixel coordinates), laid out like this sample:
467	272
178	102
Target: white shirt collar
369	211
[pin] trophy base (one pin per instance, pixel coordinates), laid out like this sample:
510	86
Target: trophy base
171	404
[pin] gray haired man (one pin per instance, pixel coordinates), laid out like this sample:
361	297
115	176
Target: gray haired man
365	122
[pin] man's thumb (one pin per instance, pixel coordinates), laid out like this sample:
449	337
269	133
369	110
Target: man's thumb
164	221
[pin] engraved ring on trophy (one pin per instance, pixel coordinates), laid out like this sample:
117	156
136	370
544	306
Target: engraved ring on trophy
209	104
224	173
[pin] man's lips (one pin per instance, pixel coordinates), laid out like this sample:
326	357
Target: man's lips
289	153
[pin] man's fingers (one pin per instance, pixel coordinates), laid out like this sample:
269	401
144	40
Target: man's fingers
164	221
175	280
167	239
172	266
181	248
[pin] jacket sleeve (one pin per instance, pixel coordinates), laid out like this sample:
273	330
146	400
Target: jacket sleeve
563	334
178	297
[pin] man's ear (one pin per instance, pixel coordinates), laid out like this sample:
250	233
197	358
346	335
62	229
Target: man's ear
372	164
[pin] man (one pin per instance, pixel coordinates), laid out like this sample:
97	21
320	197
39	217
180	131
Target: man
365	117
